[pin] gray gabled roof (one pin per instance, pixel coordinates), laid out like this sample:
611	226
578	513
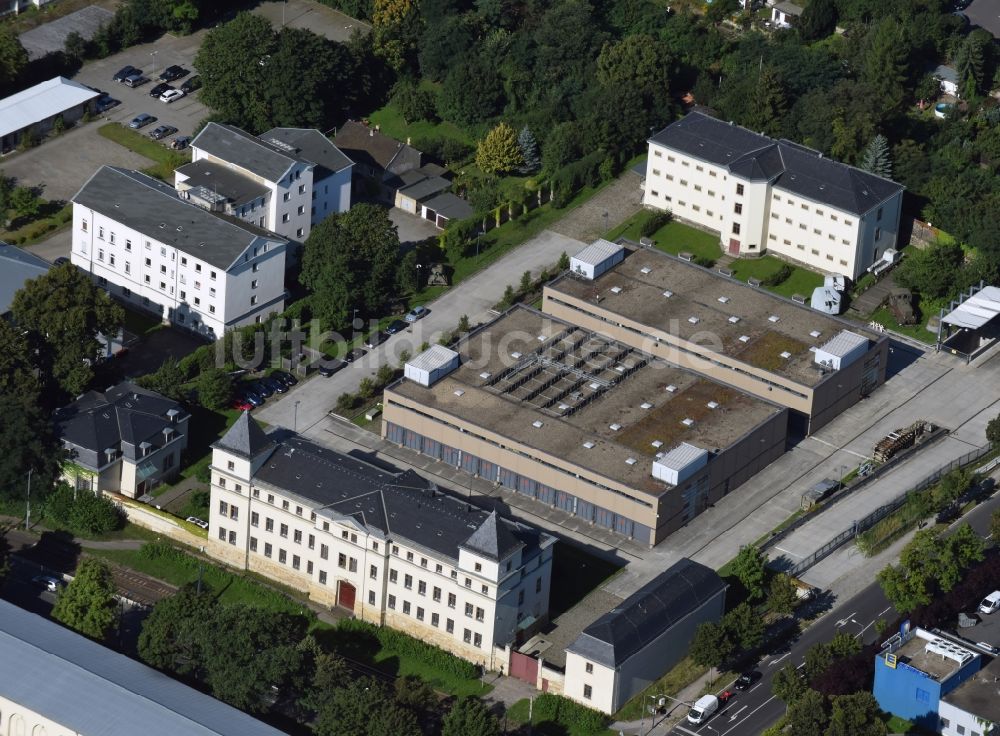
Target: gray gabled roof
493	539
310	145
247	151
788	166
89	689
245	438
449	205
649	612
220	180
16	267
153	208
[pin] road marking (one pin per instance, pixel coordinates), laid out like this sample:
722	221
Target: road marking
775	661
681	728
845	619
736	715
787	552
882	613
838	447
723	733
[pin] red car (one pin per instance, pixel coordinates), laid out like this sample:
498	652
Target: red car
241	404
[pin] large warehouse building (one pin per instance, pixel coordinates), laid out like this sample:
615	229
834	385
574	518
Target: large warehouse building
742	336
584	423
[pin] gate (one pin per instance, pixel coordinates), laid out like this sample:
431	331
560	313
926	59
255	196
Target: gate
524	668
734	247
345	595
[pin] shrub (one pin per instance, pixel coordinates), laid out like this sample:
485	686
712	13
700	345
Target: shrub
86	515
778	277
402	644
655	222
575	717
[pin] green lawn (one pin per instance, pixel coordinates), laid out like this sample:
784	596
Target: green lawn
165	159
802	281
179	568
885	317
53	218
546	725
390	122
673	238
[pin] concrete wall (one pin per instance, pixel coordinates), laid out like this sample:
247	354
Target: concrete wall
332	195
16	720
953	718
842	389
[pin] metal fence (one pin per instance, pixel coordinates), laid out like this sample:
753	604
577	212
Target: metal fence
882	511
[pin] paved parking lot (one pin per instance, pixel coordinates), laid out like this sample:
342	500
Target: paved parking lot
312	16
50	37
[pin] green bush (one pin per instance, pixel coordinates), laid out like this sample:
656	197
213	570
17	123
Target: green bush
404	645
86	515
656	221
575	717
778	277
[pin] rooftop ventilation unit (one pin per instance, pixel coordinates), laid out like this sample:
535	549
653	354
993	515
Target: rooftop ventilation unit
657	444
537	424
616	290
645	269
645	405
773	318
786	355
671	388
563	407
620	368
815	333
459	392
693	320
594	386
712	404
688	422
589	445
668	293
541	338
744	338
484	375
734	319
724	300
515	355
615	427
630	461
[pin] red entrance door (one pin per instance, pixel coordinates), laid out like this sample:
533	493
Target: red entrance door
523	667
734	247
345	595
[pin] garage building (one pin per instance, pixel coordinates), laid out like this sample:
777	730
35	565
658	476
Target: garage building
35	109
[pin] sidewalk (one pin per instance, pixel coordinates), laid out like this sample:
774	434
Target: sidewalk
675	713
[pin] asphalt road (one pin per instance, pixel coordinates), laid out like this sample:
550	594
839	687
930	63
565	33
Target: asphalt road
751	712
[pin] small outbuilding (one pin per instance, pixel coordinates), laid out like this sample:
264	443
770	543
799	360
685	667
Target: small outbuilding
35	109
628	648
785	14
947	77
597	258
431	365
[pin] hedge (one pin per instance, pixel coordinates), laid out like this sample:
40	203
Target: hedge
402	644
573	716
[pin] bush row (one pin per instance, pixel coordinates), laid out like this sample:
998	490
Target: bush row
575	717
399	643
82	512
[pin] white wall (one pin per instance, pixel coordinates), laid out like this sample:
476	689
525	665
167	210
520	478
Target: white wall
601	679
331	195
16	720
952	718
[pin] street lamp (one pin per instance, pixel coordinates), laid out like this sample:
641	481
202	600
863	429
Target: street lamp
27	511
479	234
153	55
295	421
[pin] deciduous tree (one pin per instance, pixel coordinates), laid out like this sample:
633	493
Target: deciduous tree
807	714
788	684
88	603
499	152
28	443
818	20
215	389
993	431
13	58
712	645
745	626
782	597
470	717
171	637
749	568
857	714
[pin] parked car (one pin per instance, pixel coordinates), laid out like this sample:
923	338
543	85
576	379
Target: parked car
191	84
180	142
170	95
240	403
286	378
375	339
418	312
355	355
397	325
60	261
328	367
159	89
990	603
745	680
703	709
253	398
135	80
162	131
106	102
275	385
198	522
263	389
51	584
173	72
142	119
125	72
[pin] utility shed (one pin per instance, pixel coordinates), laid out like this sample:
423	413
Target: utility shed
628	648
841	350
431	365
680	463
596	258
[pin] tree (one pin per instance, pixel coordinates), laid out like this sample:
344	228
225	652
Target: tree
13	59
525	284
531	161
65	311
807	715
413	102
350	262
215	389
995	525
350	710
782	596
560	147
18	374
25	202
171	636
393	720
463	323
712	645
932	271
788	684
366	388
818	20
883	66
904	591
89	604
345	402
877	158
416	694
75	46
407	276
508	298
470	717
993	431
28	443
748	567
168	379
857	714
818	658
329	672
745	626
951	487
970	63
86	514
499	152
471	92
563	261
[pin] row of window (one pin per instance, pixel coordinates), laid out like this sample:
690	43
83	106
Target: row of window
468	636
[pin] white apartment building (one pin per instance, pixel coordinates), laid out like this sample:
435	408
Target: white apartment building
191	267
765	195
286	180
389	548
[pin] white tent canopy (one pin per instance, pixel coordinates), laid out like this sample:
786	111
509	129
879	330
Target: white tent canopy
977	310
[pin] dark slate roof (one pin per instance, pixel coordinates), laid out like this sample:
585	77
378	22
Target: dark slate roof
120	418
89	689
219	179
245	438
648	613
16	267
789	166
449	205
424	188
493	539
367	146
247	151
153	208
398	506
313	146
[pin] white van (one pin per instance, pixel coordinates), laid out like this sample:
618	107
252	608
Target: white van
990	603
702	710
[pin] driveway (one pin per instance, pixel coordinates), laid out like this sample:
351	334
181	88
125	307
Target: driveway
412	229
313	17
614	204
